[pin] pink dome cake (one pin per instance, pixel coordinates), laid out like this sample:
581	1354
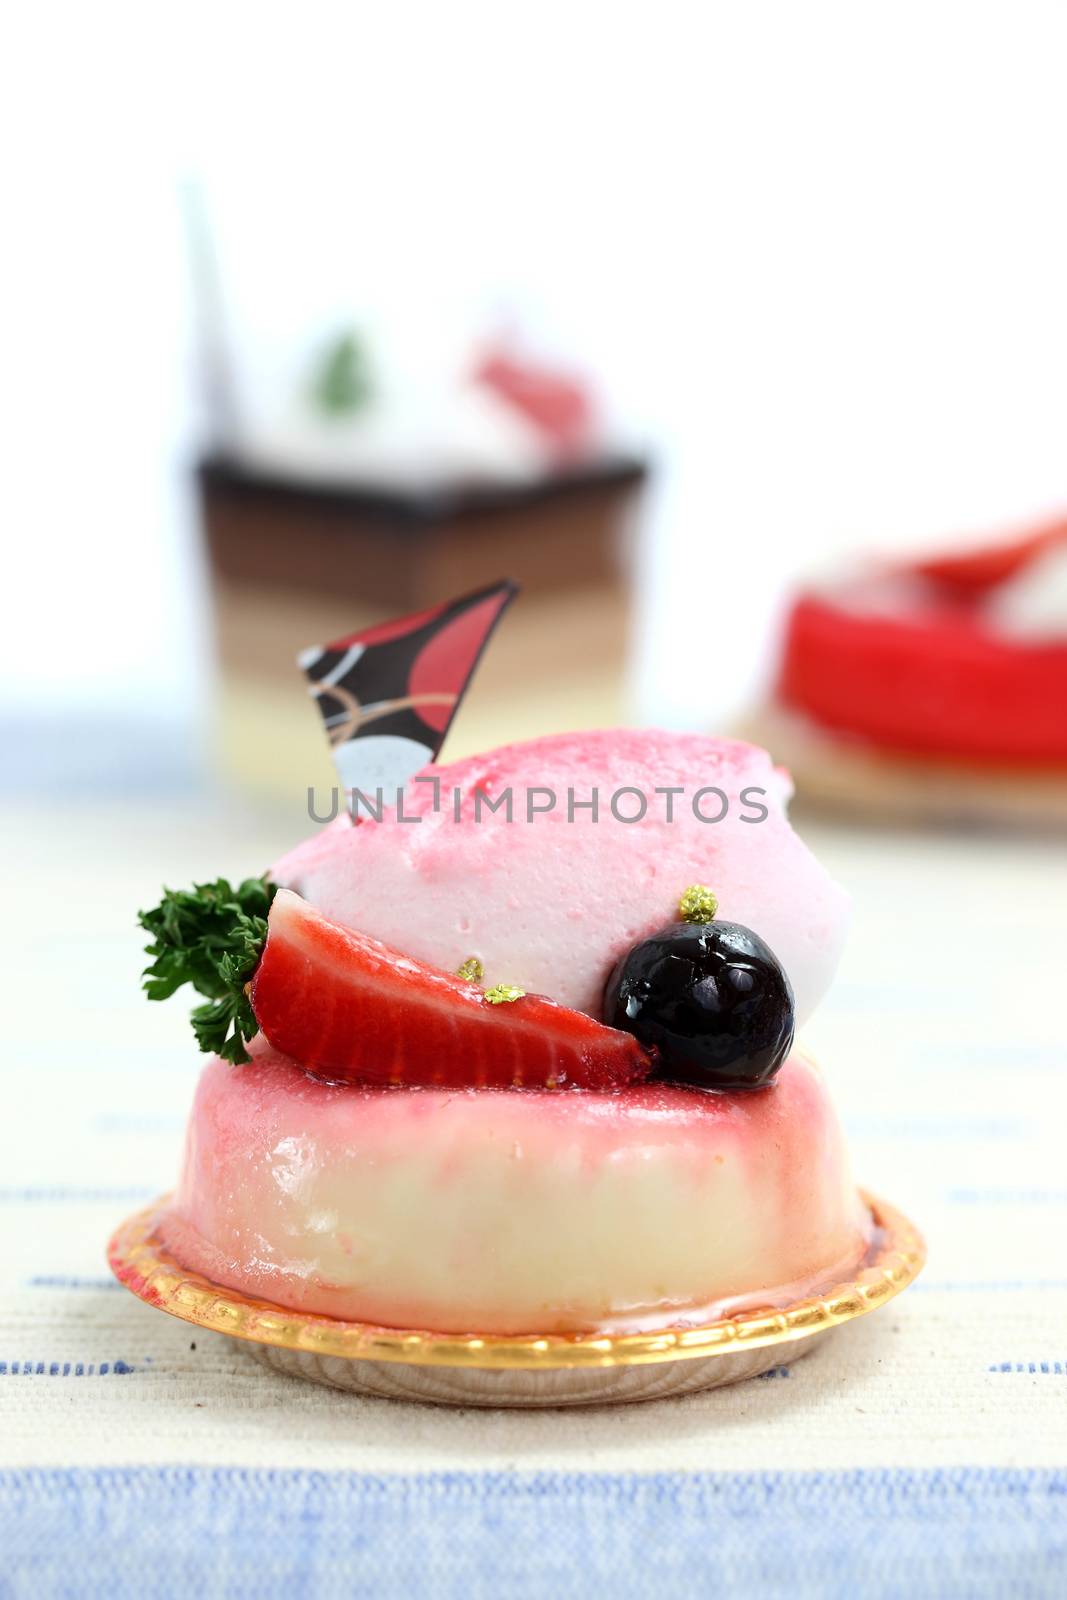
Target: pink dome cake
514	1211
599	1124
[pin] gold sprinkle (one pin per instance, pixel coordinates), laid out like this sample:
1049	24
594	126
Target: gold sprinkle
697	904
471	969
503	994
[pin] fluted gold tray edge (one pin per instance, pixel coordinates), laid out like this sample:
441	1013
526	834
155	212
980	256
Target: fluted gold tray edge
143	1266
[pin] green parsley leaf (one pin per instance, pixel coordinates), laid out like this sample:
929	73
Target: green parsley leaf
211	936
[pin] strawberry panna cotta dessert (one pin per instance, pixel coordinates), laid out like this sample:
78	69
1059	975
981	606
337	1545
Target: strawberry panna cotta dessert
486	1076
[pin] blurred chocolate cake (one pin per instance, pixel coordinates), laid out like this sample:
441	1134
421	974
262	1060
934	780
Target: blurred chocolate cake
352	515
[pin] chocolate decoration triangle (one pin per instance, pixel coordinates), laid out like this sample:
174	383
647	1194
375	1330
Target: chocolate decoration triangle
389	693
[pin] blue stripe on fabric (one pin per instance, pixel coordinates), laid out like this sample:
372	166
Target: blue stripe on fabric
59	1281
60	1196
858	1535
913	1128
1047	1369
1007	1197
54	1369
986	1286
132	1122
1013	1058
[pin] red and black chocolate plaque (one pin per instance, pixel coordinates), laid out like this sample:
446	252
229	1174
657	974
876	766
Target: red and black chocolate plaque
389	693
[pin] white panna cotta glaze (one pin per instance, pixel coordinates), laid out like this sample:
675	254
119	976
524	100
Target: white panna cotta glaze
507	1212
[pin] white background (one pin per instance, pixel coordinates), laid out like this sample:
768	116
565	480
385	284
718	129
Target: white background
815	253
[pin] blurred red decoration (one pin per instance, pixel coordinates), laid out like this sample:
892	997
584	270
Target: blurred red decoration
557	405
934	679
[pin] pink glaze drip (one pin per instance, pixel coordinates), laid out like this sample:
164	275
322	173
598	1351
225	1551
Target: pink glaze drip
512	1212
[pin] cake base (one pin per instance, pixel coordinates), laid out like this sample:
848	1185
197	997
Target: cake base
563	1386
553	1370
847	774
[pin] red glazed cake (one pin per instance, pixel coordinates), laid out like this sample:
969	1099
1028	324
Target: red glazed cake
938	686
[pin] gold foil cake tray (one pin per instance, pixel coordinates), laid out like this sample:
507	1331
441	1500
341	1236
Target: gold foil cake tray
487	1370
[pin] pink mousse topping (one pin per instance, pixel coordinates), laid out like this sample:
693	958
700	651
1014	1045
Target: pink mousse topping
550	901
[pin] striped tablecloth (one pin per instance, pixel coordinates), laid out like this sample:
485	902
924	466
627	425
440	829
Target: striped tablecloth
922	1451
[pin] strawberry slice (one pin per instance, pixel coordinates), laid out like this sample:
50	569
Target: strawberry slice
349	1008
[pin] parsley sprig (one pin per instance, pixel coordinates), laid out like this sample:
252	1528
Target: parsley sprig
211	936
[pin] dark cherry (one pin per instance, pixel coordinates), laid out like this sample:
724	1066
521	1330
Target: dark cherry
713	1000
